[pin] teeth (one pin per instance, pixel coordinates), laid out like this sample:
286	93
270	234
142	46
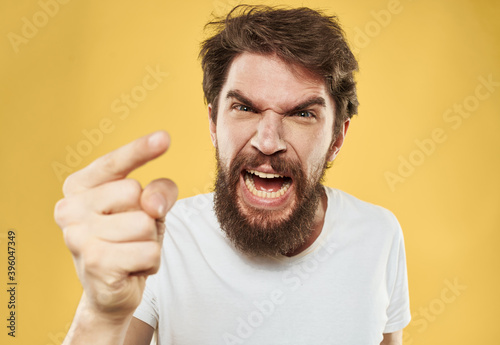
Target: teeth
260	193
263	175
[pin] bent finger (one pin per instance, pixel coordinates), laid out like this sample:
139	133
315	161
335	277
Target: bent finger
128	258
112	197
126	227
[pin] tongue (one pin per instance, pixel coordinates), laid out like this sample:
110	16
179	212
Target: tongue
268	184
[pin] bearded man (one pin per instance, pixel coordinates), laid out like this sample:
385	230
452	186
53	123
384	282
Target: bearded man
272	256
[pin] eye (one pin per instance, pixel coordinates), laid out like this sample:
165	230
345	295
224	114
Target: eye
304	114
244	108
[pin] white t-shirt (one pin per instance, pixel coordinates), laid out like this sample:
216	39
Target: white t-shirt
348	287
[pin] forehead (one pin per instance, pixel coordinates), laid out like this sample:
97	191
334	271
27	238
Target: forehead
270	82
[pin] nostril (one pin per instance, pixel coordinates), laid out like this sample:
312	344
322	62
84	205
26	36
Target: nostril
268	137
268	145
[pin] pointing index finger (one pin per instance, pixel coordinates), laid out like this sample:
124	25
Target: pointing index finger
118	163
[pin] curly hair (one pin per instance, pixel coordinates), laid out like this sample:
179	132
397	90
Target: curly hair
299	36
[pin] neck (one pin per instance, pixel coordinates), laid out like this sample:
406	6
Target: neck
319	220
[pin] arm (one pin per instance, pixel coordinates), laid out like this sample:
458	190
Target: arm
114	231
139	333
395	338
88	328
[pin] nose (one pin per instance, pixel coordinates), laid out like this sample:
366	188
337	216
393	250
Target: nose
269	136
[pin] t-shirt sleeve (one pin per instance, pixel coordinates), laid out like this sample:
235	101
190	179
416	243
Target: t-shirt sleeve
147	311
398	311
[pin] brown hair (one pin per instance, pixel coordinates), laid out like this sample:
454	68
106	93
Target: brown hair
300	36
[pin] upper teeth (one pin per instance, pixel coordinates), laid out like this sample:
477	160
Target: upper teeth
263	174
250	183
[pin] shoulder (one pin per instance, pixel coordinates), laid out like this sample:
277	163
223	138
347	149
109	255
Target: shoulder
352	210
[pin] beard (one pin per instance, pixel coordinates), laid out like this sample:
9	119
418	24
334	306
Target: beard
261	232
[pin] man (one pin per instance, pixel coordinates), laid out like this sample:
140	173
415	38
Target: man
272	257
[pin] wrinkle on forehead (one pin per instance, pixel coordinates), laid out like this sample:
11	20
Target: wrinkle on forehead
273	84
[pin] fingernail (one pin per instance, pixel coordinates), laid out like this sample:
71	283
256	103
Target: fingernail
161	210
155	139
158	199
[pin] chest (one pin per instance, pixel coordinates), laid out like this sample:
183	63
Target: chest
332	297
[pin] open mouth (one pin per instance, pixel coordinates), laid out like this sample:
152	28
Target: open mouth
265	185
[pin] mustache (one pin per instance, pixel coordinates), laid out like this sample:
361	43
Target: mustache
281	165
258	231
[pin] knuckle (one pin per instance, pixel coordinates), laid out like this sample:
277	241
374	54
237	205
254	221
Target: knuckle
68	185
106	162
72	238
72	183
132	189
60	212
92	257
69	211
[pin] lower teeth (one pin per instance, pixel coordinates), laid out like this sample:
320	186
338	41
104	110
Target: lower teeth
263	194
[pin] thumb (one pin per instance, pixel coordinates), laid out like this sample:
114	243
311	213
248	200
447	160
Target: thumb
158	197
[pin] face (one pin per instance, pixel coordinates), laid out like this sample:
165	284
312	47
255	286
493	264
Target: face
274	137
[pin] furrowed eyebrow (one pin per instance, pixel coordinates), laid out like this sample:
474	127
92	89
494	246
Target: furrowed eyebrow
304	105
237	95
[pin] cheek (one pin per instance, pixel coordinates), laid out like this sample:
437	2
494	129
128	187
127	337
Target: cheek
314	152
231	140
315	162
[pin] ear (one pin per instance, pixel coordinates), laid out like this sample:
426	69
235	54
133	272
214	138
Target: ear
339	141
212	126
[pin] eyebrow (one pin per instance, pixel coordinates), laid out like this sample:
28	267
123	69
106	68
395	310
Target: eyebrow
237	95
306	104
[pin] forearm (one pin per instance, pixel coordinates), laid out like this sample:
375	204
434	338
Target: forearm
92	327
395	338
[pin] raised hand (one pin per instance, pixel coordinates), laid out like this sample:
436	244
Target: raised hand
113	228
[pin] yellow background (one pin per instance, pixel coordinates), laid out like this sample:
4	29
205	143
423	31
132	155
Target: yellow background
414	67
